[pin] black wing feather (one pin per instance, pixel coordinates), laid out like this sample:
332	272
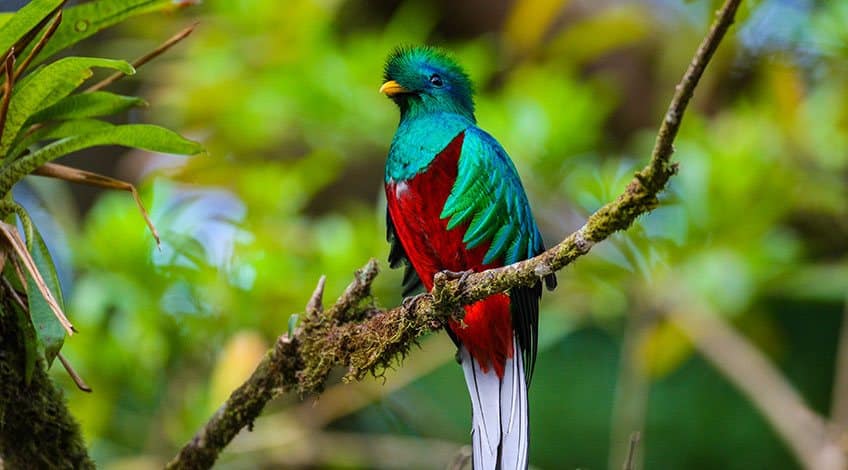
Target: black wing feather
397	258
524	303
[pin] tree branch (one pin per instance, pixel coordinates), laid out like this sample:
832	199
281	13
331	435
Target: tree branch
302	362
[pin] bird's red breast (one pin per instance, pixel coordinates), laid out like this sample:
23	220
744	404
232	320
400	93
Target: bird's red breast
415	206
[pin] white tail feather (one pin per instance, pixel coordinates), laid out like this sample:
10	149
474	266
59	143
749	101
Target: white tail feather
500	431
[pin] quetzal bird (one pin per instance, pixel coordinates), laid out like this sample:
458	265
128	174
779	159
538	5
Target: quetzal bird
456	203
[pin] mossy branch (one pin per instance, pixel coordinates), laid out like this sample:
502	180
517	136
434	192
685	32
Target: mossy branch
355	334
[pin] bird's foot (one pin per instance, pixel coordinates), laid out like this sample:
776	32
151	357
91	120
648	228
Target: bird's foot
442	278
462	276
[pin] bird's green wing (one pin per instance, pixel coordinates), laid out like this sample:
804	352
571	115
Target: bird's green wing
489	197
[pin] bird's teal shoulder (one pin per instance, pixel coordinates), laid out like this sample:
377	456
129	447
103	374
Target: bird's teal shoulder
418	141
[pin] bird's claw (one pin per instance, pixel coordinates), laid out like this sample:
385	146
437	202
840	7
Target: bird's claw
462	276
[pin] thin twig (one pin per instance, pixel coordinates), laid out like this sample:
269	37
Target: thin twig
630	461
14	294
171	42
11	235
48	33
78	380
357	290
315	305
303	362
75	175
24	41
16	266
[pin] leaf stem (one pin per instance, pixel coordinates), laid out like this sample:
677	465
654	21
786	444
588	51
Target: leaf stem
8	67
171	42
48	33
10	207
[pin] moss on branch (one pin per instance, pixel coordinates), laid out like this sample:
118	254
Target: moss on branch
364	339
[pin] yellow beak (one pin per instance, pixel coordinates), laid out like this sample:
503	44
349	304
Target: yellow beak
392	88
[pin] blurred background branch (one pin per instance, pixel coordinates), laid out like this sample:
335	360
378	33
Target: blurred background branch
755	224
839	407
632	390
808	434
302	361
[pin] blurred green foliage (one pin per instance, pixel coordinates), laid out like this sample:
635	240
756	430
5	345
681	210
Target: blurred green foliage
755	226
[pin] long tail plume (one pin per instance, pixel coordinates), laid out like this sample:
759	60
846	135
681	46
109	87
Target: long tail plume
500	413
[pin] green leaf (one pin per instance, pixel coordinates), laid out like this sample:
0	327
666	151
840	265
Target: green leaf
142	136
24	20
31	351
59	130
84	20
50	332
4	18
47	86
86	105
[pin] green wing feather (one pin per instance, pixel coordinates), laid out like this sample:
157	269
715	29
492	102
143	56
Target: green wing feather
489	197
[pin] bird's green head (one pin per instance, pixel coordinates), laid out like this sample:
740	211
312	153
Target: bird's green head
424	79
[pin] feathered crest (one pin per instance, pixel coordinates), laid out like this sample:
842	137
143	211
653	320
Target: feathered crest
407	64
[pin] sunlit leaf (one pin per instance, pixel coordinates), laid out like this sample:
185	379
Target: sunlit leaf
87	105
47	86
142	136
5	17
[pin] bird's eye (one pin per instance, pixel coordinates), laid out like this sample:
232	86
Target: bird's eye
436	80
